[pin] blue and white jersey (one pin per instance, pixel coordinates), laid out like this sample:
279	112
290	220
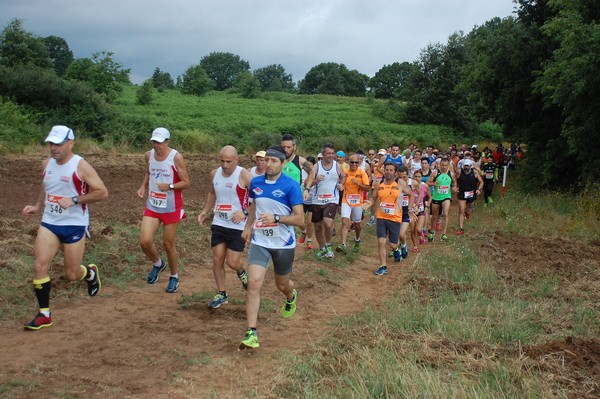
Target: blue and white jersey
278	198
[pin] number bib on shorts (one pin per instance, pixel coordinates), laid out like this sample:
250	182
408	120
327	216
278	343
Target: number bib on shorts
353	199
469	194
224	211
52	205
158	199
489	175
267	229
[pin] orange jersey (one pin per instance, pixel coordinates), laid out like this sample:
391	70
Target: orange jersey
353	194
388	195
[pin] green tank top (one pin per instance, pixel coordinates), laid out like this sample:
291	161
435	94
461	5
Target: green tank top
444	188
292	169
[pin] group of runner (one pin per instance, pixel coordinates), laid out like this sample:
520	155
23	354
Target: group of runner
260	208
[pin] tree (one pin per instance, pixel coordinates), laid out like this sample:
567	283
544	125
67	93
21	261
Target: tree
223	68
248	85
101	72
55	100
59	52
571	80
144	93
196	81
389	80
333	78
162	80
19	47
435	89
274	78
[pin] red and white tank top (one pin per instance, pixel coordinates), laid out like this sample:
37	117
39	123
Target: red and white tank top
231	197
163	172
62	181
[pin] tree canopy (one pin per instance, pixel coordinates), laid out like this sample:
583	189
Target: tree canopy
334	78
223	68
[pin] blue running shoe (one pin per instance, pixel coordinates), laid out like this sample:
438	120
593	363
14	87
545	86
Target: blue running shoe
381	271
218	300
153	276
404	251
397	255
173	285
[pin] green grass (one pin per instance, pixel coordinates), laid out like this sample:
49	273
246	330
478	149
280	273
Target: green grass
204	124
450	332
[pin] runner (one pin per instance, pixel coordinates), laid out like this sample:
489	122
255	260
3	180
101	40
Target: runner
228	196
329	178
442	181
421	196
166	176
276	209
376	178
402	174
310	226
357	183
294	162
469	184
490	176
69	184
259	169
385	201
394	156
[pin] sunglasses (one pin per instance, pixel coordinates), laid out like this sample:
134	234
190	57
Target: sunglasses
354	162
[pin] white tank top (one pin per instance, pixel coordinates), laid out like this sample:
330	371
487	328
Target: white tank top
230	199
62	181
163	172
254	173
326	191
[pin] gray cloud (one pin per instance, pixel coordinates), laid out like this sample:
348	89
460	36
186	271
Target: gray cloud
172	35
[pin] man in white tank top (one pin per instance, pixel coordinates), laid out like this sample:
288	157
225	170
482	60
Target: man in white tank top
166	176
228	198
69	185
329	179
261	165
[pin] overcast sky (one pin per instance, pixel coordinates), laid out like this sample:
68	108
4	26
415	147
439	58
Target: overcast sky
173	35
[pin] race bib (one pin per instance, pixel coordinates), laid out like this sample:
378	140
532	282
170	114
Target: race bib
267	229
421	208
469	194
52	205
353	199
387	208
443	189
324	198
489	175
158	199
224	211
404	200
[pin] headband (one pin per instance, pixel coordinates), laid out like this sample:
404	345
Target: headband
271	152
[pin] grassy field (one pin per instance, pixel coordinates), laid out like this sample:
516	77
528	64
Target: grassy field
204	124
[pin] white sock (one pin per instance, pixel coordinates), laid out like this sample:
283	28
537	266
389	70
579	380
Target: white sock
158	263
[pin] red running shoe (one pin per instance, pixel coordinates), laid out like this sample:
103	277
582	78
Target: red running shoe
39	321
460	232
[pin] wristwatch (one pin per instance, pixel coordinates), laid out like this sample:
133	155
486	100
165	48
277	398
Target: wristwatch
276	217
75	200
172	186
245	211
